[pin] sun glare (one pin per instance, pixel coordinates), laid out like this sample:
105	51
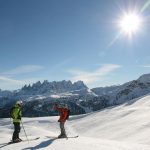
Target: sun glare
130	23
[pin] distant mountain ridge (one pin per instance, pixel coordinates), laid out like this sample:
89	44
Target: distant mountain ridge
40	97
52	87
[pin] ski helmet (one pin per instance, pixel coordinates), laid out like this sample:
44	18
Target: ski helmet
19	103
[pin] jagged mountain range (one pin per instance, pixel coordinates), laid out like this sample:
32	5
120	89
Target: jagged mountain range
40	97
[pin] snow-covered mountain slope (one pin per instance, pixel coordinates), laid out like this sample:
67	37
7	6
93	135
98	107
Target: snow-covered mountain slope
125	127
126	92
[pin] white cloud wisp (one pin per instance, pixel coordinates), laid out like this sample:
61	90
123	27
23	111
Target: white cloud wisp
23	69
97	75
7	78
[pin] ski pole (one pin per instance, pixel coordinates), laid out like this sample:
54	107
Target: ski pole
10	120
11	124
25	132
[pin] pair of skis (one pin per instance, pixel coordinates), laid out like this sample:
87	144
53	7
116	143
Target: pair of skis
11	142
68	137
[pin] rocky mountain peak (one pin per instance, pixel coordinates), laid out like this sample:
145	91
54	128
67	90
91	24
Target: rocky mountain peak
144	78
79	85
53	87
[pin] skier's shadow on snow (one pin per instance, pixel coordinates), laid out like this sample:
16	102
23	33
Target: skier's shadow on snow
41	145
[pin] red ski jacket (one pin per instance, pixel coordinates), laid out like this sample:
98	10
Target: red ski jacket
63	112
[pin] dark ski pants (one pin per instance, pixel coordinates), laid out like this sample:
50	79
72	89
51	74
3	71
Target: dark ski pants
62	128
16	130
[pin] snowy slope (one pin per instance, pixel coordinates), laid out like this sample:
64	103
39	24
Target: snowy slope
128	122
125	127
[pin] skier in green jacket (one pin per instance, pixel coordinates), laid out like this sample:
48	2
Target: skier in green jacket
16	114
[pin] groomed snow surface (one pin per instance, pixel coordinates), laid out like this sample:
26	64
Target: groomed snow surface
125	127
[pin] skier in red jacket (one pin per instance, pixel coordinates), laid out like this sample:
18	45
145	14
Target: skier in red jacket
64	114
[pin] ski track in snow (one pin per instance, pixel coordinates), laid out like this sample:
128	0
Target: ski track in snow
125	127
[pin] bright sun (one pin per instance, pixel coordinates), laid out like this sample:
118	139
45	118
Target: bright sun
130	23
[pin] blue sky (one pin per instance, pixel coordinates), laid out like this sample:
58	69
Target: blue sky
71	40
